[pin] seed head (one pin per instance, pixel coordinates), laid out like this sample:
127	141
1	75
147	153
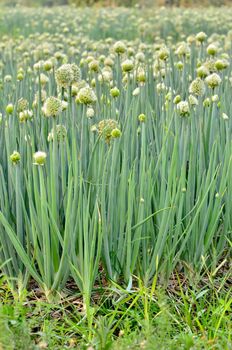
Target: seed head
64	76
22	105
94	66
202	71
86	96
141	75
106	127
127	66
52	107
183	50
119	47
183	108
206	102
90	112
221	64
163	53
25	115
197	87
212	49
48	65
201	37
213	80
179	65
193	101
76	73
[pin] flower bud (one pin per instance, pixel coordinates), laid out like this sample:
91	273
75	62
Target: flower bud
114	92
9	108
48	65
15	157
201	37
115	133
142	118
119	47
127	66
39	158
90	112
212	49
106	127
176	99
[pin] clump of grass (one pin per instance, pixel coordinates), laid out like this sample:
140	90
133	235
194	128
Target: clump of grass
186	316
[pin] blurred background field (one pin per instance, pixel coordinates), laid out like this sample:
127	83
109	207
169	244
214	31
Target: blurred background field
149	3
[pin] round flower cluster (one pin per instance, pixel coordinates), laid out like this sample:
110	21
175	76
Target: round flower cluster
142	118
213	80
76	73
201	37
108	128
15	157
127	66
212	49
183	50
10	108
202	71
8	78
86	95
119	47
163	53
177	99
221	64
94	66
39	158
64	76
22	105
193	101
48	65
114	92
210	65
52	107
67	74
90	112
183	108
197	87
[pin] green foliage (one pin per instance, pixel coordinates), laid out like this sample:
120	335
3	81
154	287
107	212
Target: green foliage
124	185
184	317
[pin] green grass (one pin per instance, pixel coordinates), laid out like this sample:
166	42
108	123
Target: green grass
182	317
